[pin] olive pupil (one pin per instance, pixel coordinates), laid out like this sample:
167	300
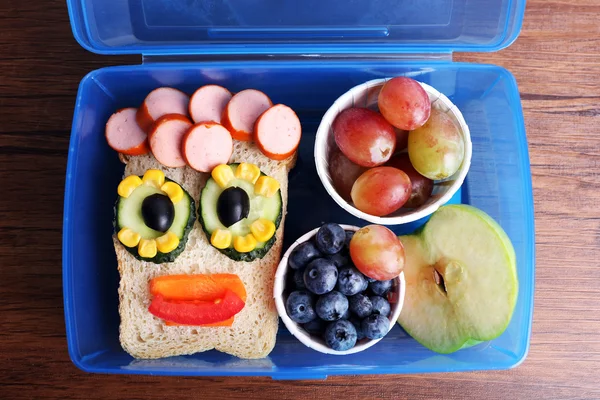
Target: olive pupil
233	205
158	212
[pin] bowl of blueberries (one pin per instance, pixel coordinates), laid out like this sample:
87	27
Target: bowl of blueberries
326	302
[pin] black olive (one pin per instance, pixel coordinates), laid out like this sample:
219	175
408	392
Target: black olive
158	212
233	205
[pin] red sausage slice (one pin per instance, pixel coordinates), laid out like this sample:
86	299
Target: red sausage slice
159	102
277	132
166	138
208	103
124	135
242	111
207	145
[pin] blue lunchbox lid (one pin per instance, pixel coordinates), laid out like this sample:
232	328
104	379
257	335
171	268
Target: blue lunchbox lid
307	27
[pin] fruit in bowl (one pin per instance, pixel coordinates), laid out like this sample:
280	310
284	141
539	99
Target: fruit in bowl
404	103
436	149
421	186
364	136
326	301
381	190
429	142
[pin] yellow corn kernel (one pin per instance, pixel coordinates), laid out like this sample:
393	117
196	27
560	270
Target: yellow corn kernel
221	239
266	186
262	229
244	244
147	248
167	242
222	174
249	172
154	177
128	185
173	190
128	237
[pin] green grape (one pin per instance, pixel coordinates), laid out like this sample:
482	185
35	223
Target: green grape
436	149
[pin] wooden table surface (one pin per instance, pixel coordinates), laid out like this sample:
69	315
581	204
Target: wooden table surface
556	62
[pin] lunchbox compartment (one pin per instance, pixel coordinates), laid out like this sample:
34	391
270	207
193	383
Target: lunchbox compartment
498	182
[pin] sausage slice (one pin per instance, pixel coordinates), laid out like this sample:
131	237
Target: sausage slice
124	135
159	102
166	138
208	103
242	111
207	145
277	132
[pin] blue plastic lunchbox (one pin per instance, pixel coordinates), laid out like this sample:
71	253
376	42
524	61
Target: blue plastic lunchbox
304	53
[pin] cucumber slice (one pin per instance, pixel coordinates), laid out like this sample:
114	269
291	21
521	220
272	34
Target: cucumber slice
260	207
128	213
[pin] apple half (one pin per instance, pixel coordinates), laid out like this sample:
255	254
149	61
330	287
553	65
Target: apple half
461	280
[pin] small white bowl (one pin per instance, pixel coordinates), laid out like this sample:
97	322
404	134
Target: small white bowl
315	342
365	95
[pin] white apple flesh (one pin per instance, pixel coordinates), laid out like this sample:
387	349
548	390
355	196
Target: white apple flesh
461	280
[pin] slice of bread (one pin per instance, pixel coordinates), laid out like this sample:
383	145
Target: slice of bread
253	332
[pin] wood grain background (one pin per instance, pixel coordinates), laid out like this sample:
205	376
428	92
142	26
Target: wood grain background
556	62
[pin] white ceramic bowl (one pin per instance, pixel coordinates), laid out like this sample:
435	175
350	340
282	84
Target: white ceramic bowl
365	95
315	342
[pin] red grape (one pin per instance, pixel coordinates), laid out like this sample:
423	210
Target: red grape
404	103
401	139
364	136
376	252
381	191
343	173
421	186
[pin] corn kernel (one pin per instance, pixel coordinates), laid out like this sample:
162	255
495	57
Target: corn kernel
262	229
128	237
244	244
222	174
147	248
221	239
128	185
167	242
266	186
173	190
249	172
154	177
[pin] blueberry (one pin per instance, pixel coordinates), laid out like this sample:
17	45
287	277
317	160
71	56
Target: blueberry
375	326
299	278
360	305
332	306
370	280
299	306
340	335
365	284
357	325
346	314
339	259
315	327
349	235
380	306
380	288
350	281
330	238
320	276
303	254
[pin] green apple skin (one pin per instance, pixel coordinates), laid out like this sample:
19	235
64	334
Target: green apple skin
477	298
